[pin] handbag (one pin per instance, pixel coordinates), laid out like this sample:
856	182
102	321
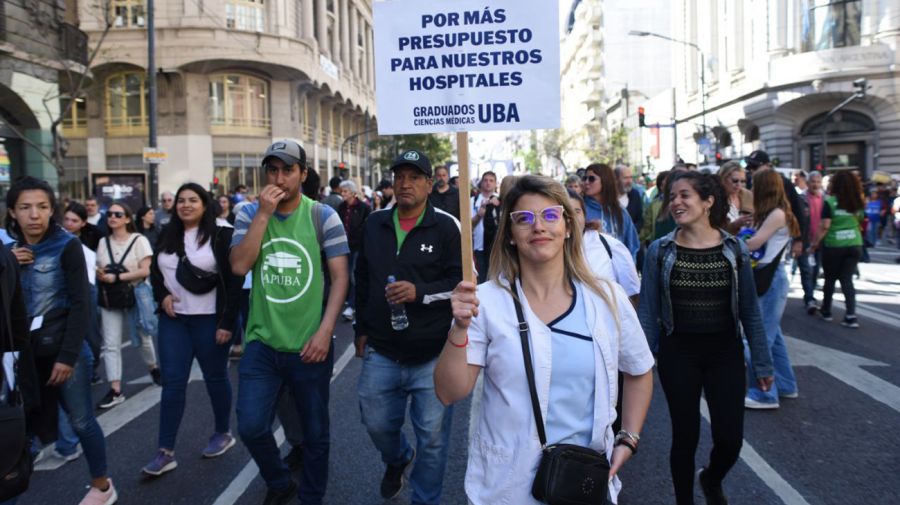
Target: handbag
195	279
568	474
16	464
763	277
119	294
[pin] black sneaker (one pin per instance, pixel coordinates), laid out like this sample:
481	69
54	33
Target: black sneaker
96	379
156	376
826	315
111	399
712	491
392	482
294	459
850	322
283	497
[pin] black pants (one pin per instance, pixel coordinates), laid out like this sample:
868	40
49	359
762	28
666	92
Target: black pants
839	264
713	364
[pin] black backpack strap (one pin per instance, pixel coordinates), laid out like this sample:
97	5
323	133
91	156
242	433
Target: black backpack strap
605	245
529	370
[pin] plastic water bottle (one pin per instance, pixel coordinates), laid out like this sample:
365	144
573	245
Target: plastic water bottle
398	311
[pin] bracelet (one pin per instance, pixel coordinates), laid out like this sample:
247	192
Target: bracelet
635	438
464	344
627	444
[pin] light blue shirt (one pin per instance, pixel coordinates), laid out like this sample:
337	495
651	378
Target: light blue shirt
570	415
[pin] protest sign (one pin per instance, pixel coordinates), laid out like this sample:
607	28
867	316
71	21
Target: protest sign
451	66
460	66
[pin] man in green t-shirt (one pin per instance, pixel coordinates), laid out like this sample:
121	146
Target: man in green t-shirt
280	239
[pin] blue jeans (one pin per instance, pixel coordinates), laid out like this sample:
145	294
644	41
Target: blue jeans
384	387
182	339
809	275
75	399
143	314
771	307
66	439
262	373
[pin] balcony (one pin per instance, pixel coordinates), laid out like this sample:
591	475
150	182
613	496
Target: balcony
250	127
132	126
74	43
74	129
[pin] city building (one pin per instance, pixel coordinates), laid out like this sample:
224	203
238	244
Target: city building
579	140
232	75
772	70
40	46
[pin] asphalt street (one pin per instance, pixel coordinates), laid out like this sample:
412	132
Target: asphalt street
835	444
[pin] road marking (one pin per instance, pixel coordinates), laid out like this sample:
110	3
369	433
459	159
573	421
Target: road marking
846	368
239	485
763	470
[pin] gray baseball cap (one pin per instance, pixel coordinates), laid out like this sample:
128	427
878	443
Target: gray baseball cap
288	151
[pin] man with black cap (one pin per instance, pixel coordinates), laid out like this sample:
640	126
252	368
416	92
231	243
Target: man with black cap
418	246
280	239
758	161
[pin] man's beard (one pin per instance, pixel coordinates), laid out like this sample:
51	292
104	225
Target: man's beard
440	183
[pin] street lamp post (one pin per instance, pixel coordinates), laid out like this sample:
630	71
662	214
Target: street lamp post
637	33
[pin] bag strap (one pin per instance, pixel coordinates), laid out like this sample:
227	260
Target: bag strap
124	255
529	371
12	343
605	244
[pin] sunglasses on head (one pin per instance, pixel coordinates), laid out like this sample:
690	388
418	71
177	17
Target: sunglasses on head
550	215
590	178
116	214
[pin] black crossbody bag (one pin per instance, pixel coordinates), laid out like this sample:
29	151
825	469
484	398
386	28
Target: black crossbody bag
568	474
119	294
16	464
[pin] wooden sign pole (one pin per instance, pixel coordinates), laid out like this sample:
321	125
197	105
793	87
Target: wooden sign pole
465	206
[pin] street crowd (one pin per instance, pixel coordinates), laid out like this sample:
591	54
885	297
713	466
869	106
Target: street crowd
583	286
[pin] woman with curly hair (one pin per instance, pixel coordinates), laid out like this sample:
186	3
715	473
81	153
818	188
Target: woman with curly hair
840	235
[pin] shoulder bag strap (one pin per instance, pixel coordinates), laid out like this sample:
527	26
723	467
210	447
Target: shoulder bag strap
12	343
112	261
529	371
127	249
605	244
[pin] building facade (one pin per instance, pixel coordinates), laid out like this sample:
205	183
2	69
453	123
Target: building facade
232	75
582	85
40	46
775	68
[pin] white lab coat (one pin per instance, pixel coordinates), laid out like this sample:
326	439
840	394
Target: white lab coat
504	449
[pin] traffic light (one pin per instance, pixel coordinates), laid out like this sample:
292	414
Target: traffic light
641	121
860	84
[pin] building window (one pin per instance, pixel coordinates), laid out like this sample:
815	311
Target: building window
74	124
238	105
126	104
828	24
247	15
128	13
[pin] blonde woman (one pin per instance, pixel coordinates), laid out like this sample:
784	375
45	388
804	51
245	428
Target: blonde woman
740	199
582	331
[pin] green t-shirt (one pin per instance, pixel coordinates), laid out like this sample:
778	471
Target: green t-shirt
288	285
401	233
844	229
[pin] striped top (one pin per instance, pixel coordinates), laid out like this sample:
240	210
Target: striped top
700	288
331	230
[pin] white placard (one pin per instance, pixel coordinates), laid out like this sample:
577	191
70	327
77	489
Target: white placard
458	65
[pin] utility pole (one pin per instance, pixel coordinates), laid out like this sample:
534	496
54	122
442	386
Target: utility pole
151	91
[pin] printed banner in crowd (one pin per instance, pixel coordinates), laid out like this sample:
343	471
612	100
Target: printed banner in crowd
125	187
458	65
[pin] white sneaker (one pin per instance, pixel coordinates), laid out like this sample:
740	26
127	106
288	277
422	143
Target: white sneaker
750	403
71	457
97	497
348	314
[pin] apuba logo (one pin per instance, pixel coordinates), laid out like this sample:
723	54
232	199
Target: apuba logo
286	271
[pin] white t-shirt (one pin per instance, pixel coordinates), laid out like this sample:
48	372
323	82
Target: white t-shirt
775	244
138	252
620	268
202	257
90	259
94	219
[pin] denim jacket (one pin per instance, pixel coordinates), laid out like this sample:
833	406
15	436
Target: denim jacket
655	310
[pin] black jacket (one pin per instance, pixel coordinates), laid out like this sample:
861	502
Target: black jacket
354	229
228	289
636	208
15	318
447	202
430	259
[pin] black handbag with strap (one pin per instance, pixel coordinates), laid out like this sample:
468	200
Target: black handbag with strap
764	275
119	294
16	464
568	474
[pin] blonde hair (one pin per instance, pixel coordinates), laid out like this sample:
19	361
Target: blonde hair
727	169
505	257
